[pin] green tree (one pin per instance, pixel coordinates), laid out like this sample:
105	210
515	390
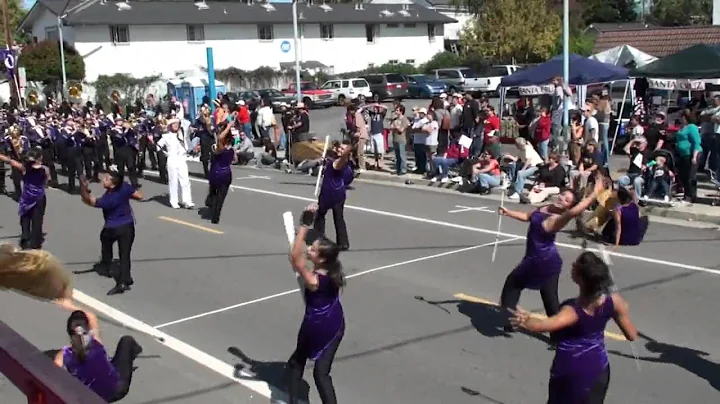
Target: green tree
16	13
580	43
525	30
682	12
599	11
42	63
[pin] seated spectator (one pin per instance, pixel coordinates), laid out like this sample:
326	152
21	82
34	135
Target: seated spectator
634	128
550	181
590	162
453	155
659	179
531	163
626	226
494	147
639	155
486	173
543	131
578	138
244	148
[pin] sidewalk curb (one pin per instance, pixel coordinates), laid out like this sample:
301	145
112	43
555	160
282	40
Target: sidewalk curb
427	186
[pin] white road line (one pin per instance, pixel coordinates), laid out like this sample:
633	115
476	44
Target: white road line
212	363
469	228
254	177
288	292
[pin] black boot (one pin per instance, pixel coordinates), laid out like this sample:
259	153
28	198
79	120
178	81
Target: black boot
118	289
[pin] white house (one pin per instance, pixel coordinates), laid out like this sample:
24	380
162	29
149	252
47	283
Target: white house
460	14
166	37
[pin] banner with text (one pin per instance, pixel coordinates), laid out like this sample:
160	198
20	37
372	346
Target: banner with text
672	84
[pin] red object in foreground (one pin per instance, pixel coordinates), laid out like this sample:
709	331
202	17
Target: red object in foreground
35	374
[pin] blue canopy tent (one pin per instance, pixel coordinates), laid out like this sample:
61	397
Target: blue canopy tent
583	71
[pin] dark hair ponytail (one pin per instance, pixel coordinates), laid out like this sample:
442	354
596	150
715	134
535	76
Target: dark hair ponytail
330	253
595	275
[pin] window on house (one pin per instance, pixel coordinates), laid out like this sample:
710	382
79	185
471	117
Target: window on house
265	32
431	32
410	61
409	25
370	33
393	61
119	34
393	25
327	31
51	34
35	39
196	33
371	65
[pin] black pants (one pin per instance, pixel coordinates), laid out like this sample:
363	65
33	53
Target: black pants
31	224
74	166
687	175
125	354
61	155
595	396
125	158
3	173
87	156
321	373
341	233
162	167
48	156
216	199
206	143
124	236
512	289
102	154
147	150
16	176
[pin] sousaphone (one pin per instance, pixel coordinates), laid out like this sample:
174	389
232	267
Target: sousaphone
32	98
75	92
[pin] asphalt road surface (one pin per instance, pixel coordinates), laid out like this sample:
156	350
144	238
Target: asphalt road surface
422	325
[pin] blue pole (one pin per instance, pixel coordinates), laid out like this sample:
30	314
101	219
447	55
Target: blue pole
211	78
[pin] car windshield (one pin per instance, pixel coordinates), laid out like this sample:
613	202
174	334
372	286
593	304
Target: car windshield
309	86
421	78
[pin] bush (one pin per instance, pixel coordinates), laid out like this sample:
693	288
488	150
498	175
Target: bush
130	88
42	63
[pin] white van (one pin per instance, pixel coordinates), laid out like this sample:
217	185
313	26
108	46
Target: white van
348	89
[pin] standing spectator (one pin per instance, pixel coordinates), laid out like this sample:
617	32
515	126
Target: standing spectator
558	106
377	118
471	124
656	134
710	118
442	116
524	117
592	128
432	129
419	137
603	116
399	125
577	137
243	119
543	130
688	150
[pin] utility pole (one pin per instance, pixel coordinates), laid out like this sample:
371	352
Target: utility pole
9	44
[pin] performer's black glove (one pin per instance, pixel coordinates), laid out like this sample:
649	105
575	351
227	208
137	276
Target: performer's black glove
307	218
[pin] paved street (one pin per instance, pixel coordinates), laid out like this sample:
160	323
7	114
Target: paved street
422	326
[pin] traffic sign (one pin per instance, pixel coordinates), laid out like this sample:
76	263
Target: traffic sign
285	46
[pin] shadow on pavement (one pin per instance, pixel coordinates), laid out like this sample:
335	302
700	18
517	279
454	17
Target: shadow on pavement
272	373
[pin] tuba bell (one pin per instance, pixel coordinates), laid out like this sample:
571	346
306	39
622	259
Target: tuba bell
32	98
115	96
75	90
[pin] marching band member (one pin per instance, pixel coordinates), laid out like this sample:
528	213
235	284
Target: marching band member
61	145
102	146
74	153
32	201
47	141
204	129
220	175
119	226
125	147
157	131
173	145
147	145
17	145
88	150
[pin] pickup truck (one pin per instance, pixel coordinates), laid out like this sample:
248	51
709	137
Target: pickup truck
465	79
312	95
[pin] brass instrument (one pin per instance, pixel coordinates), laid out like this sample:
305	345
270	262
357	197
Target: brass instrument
115	96
32	98
75	90
16	141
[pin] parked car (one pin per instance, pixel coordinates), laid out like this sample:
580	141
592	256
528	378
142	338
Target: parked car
422	86
465	79
276	97
312	95
388	85
252	98
348	89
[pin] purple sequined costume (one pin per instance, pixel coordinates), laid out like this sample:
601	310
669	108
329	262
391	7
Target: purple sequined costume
324	320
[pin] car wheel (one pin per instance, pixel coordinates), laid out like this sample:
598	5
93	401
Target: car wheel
341	100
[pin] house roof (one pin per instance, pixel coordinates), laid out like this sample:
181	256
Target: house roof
658	42
623	26
235	12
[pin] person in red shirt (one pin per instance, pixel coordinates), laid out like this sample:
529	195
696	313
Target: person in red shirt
543	131
486	173
492	124
454	154
243	118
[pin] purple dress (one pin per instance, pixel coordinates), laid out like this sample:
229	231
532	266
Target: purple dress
633	226
334	185
542	260
324	320
33	190
96	371
580	358
220	171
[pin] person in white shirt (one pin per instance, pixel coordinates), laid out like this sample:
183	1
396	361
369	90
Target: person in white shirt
419	136
266	120
432	129
172	143
592	129
635	129
531	163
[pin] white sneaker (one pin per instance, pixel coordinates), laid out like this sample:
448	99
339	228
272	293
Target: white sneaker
434	179
514	197
445	180
666	199
457	179
175	206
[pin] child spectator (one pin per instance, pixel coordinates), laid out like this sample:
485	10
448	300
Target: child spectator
660	178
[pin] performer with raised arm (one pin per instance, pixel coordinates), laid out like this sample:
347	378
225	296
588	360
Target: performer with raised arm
87	360
172	144
32	200
540	268
323	325
220	174
337	176
580	372
119	226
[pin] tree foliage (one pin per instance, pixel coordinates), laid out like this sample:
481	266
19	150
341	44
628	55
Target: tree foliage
42	62
580	43
16	13
682	12
604	11
524	30
130	88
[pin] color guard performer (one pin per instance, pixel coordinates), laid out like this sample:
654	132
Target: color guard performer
220	175
337	176
172	144
323	325
119	226
580	372
540	268
32	201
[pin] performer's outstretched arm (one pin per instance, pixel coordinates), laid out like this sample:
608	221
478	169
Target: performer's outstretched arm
514	214
555	223
297	253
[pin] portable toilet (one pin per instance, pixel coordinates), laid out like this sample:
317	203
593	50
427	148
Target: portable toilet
190	91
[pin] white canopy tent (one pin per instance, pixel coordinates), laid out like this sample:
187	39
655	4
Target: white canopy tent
624	55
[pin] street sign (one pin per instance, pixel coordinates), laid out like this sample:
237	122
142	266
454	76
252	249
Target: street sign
285	46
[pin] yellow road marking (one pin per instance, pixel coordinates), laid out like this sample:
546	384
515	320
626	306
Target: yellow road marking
194	226
473	299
